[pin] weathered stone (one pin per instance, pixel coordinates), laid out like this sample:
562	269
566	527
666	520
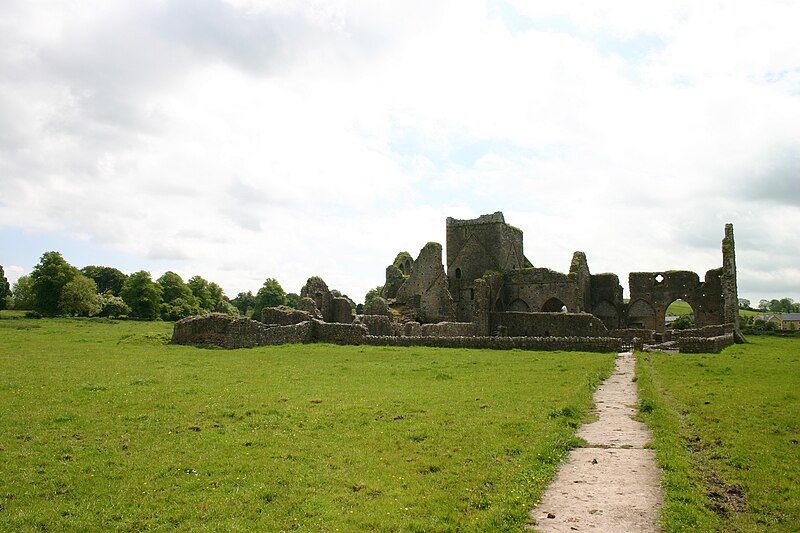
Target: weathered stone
283	316
394	280
448	329
316	289
307	304
378	306
550	324
336	333
341	311
227	331
426	288
377	324
412	329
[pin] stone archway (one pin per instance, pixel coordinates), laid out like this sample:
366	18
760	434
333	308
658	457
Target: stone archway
641	315
607	314
519	305
553	305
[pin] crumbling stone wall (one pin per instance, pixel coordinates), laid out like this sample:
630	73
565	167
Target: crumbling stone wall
426	288
582	344
448	329
549	324
580	275
606	299
316	289
715	330
378	325
238	332
378	306
340	333
705	344
227	331
629	334
341	311
284	316
657	290
539	290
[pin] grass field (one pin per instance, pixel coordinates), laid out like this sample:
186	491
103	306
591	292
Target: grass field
679	308
106	427
726	431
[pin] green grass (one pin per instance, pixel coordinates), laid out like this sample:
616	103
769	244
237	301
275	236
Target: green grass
726	431
680	308
106	427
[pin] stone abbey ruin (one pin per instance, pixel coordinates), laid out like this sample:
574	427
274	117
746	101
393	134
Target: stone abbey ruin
491	296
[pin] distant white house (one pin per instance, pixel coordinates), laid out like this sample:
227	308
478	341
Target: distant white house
782	320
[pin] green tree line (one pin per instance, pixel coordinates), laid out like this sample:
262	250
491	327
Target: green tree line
57	288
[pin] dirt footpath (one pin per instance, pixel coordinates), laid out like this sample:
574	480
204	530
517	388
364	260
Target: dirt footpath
613	484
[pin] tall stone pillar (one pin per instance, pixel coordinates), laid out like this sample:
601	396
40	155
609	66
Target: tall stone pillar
730	291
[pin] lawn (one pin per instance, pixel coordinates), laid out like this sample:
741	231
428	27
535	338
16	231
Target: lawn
104	426
680	308
726	432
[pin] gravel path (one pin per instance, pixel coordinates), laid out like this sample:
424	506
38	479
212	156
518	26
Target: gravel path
613	483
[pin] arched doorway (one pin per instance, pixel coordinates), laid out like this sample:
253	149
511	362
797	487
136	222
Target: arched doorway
680	315
554	305
641	315
607	314
519	305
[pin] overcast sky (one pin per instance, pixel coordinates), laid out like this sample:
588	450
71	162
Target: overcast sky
241	139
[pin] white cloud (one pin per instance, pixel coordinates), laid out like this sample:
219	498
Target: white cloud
249	139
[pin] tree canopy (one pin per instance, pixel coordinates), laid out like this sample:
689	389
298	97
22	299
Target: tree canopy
108	279
79	297
5	290
142	295
271	294
23	295
49	277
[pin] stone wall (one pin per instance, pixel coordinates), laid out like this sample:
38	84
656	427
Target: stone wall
582	344
377	325
426	288
549	324
316	289
340	333
539	290
341	311
227	331
705	344
448	329
706	331
628	334
653	292
284	316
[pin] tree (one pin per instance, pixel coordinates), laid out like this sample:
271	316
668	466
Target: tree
244	302
49	277
108	279
372	294
79	297
292	300
173	287
744	303
201	290
683	322
177	299
113	306
24	297
270	294
142	295
5	290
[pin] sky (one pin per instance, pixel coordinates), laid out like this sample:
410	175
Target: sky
242	139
